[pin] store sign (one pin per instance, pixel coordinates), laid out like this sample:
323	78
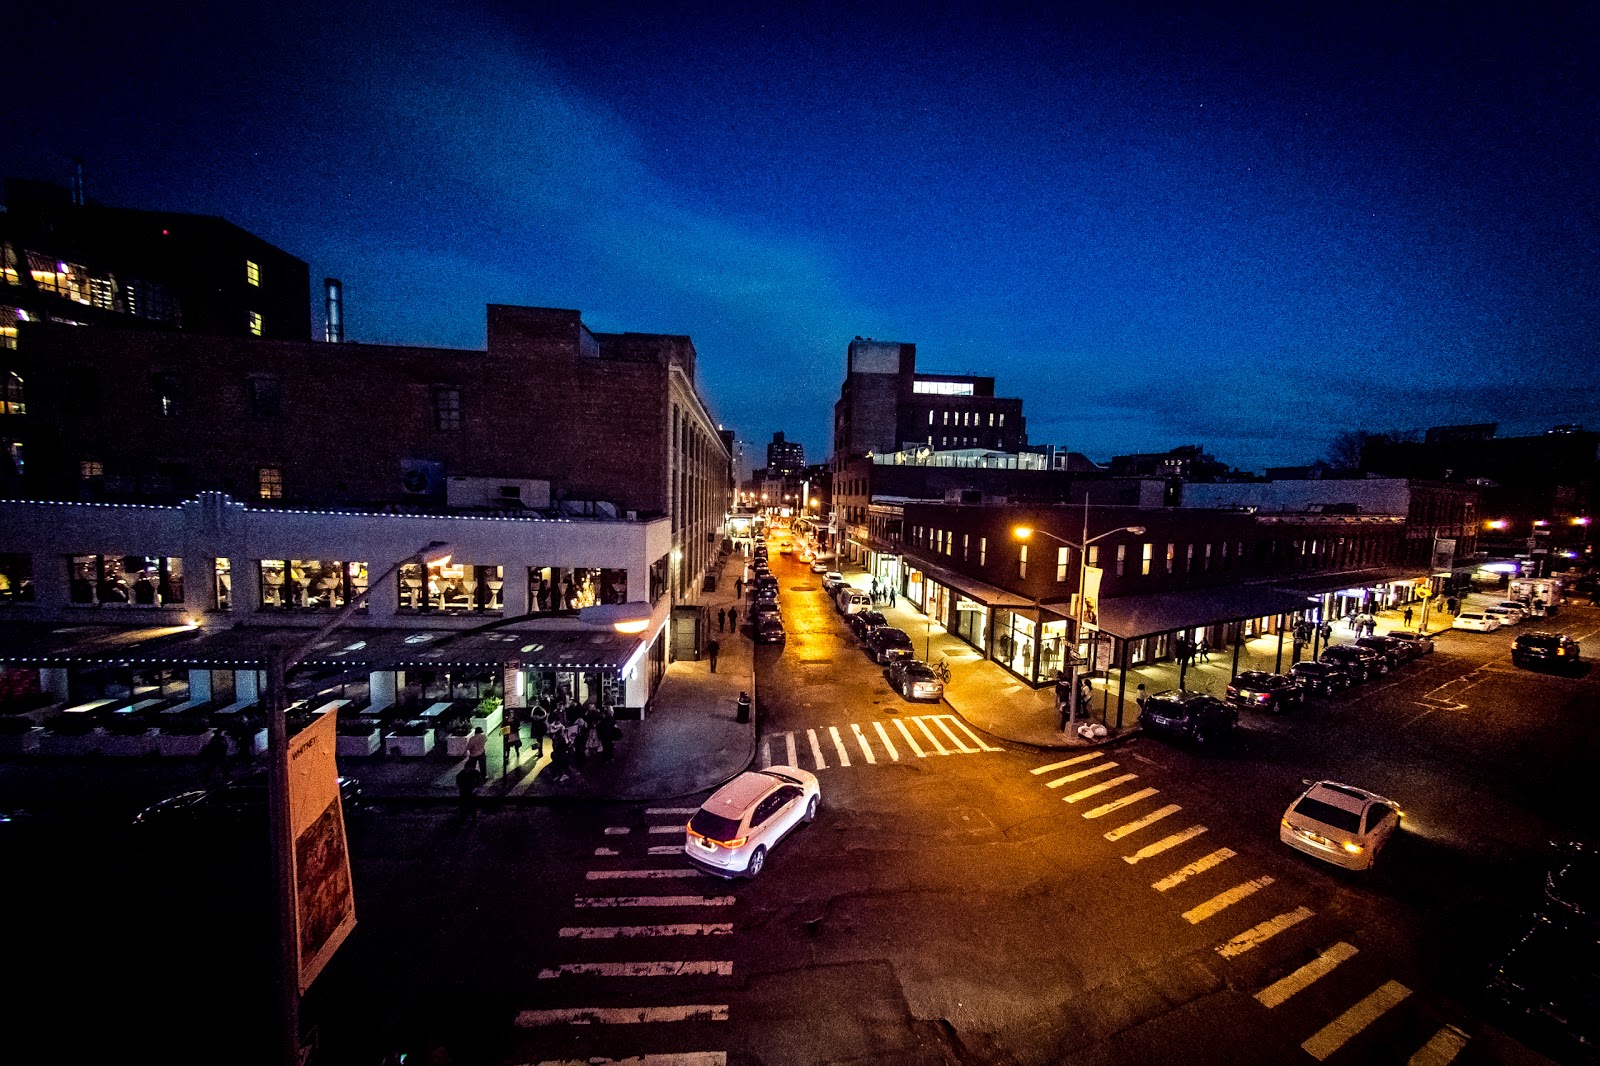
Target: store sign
325	905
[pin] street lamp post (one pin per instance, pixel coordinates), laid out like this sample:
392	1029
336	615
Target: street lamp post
280	662
1023	533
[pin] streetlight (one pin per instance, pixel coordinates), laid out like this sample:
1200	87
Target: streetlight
1023	533
280	661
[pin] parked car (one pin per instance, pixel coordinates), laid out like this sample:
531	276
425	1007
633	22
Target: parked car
886	644
1361	663
915	680
769	628
1506	616
831	582
1547	650
1516	609
1263	691
1552	975
1341	824
732	832
820	564
852	601
1572	885
1477	621
864	622
1193	716
1423	642
1324	679
1394	652
242	802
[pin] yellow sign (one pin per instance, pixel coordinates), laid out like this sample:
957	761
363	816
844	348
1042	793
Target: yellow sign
325	904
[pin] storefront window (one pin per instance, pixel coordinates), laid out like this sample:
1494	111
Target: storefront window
556	588
914	586
16	578
452	586
224	584
139	580
1051	649
938	603
310	584
972	621
1013	642
658	579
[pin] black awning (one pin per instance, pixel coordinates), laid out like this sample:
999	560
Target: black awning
1131	617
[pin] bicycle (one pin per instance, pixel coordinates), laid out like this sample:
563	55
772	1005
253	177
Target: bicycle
941	670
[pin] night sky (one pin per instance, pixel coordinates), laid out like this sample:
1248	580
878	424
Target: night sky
1158	225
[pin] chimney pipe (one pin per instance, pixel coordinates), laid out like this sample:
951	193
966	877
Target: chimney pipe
333	328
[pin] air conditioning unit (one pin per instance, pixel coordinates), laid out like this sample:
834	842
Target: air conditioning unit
504	493
421	477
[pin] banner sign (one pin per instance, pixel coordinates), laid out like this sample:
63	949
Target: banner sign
1090	607
325	905
1444	553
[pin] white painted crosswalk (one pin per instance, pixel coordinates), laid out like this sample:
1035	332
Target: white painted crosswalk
874	743
1337	1033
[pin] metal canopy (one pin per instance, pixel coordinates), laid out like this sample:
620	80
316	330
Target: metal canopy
1131	617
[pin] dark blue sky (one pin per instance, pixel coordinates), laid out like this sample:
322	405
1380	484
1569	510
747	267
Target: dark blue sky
1157	224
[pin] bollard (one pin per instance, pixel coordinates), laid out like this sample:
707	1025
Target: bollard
744	707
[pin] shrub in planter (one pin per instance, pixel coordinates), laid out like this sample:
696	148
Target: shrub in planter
409	729
355	727
458	727
487	706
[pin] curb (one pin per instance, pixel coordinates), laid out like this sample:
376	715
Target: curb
1111	740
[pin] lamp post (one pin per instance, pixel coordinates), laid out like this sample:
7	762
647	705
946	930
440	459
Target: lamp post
1023	533
280	662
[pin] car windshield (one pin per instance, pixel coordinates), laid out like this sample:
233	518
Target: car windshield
1328	814
918	671
871	618
894	636
713	826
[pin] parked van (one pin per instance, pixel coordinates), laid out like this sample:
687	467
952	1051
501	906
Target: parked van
853	601
1541	594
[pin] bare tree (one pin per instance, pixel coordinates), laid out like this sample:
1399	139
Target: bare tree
1344	451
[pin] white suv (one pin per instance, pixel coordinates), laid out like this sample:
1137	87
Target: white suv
1341	824
1478	621
732	831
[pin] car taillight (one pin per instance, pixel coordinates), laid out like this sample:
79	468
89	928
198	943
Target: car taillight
1264	698
1352	847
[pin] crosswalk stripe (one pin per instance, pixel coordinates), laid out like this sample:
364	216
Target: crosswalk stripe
862	740
695	1012
594	902
788	749
687	968
1257	935
1337	1033
671	810
606	851
1095	790
888	744
664	1058
766	751
1441	1050
941	720
1118	804
625	875
665	849
1199	866
1066	762
1097	768
613	932
1163	844
910	742
662	830
1138	823
974	737
838	746
922	725
1226	899
1280	990
617	830
816	750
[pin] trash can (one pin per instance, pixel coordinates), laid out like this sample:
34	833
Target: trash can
744	708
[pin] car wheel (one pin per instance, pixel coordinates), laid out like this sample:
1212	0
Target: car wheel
757	860
905	692
811	810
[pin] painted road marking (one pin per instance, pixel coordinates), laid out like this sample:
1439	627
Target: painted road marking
670	1058
641	969
671	810
694	1012
621	875
1199	866
862	740
593	902
612	932
1095	790
1095	769
838	745
1442	1049
1163	844
788	749
665	849
606	851
816	749
1066	762
982	745
1257	935
942	723
910	741
1280	990
1225	899
938	747
1118	804
660	830
617	830
1337	1033
883	734
1137	824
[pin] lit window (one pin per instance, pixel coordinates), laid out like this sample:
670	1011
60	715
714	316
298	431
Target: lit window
16	578
965	539
116	578
947	418
255	323
1061	564
1144	563
991	419
223	588
1172	554
1205	563
269	482
1022	560
252	272
1002	419
1094	555
942	388
446	408
13	400
311	584
1188	559
983	551
1122	559
930	416
91	468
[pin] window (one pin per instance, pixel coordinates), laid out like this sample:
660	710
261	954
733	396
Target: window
222	589
556	588
266	398
311	584
1122	559
451	586
16	578
13	400
1144	563
942	388
1227	564
166	384
12	450
658	578
114	580
269	482
947	418
90	469
983	551
1188	559
252	272
1022	560
1061	564
966	539
991	419
930	416
1205	563
254	320
1094	555
446	408
1002	419
1172	553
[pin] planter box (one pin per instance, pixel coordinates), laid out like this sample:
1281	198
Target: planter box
455	747
142	744
489	724
21	743
358	746
63	744
181	746
409	747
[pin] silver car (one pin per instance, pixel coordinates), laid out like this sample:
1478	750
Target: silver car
732	832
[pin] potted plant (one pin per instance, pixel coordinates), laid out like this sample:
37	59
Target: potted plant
70	734
182	735
456	731
486	716
19	735
357	737
411	739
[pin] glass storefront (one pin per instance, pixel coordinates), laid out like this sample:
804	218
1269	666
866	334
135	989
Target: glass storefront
972	622
913	589
1014	642
938	603
1052	647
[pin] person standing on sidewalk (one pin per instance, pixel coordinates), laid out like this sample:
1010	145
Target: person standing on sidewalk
1407	615
478	752
738	589
712	647
722	619
510	744
733	619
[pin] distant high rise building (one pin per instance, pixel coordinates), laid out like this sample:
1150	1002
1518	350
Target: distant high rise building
785	458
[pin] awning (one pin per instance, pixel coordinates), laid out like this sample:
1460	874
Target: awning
535	646
1131	617
981	591
1352	579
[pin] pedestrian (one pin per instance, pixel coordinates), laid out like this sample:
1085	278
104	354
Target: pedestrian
1407	616
712	647
1204	649
215	753
577	734
1372	625
1326	629
733	619
738	589
722	619
560	751
609	732
478	751
511	743
538	722
468	781
1142	698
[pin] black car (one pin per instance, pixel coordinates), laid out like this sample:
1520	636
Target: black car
1394	651
864	622
1322	678
1552	975
1192	716
769	629
1572	886
761	607
240	802
1361	663
1546	650
886	644
1263	691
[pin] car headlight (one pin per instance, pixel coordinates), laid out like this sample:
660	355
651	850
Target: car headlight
1352	847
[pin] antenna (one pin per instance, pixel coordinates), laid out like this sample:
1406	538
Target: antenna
333	326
